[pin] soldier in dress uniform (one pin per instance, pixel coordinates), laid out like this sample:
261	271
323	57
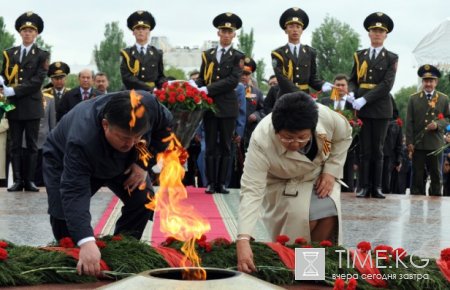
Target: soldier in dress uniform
254	102
220	72
295	63
57	72
23	72
426	120
371	80
142	64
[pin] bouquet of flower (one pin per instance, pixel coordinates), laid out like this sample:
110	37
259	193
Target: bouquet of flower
5	106
354	121
180	95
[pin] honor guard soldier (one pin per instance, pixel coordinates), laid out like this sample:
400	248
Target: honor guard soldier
426	120
57	72
142	64
371	80
295	63
23	72
220	72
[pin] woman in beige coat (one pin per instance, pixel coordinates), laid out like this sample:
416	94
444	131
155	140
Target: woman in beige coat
294	158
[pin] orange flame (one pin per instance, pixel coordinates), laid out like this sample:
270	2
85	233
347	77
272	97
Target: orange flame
178	219
137	110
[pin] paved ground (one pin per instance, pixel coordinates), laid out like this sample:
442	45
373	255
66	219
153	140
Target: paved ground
419	224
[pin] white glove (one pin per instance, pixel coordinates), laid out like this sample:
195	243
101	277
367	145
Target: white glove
326	87
350	97
203	89
157	168
192	83
8	91
359	103
2	81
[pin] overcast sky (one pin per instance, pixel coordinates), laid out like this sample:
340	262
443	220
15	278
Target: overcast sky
73	28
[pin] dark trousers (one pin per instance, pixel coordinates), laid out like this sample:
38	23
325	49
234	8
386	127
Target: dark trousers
218	136
388	167
30	154
372	136
134	216
420	159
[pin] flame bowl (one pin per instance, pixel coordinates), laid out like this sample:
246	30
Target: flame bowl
171	278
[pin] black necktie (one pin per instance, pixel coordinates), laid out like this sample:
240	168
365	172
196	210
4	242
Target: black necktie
429	97
23	55
295	52
223	53
58	95
142	51
373	54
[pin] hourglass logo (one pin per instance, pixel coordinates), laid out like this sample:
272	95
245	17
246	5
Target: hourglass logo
309	264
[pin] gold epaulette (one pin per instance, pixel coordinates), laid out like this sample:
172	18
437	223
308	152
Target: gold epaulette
361	70
10	75
47	95
48	91
135	69
289	73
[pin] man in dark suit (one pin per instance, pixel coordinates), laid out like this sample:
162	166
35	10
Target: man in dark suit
82	93
371	80
339	101
294	61
94	146
23	72
57	72
142	64
272	94
426	120
220	72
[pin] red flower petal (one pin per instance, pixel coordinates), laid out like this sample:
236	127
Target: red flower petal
3	244
3	254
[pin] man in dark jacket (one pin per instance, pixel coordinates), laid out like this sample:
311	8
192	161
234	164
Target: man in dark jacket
23	72
94	146
142	64
371	80
219	75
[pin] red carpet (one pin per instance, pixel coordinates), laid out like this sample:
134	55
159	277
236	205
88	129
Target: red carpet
105	216
204	204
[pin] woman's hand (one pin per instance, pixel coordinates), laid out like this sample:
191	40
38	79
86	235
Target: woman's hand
245	256
325	184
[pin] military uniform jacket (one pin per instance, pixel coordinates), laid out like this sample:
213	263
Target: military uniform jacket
373	80
79	148
142	72
421	113
282	181
26	78
221	80
51	91
301	72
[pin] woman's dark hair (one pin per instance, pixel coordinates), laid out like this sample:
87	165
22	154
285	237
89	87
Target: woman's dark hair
294	112
118	113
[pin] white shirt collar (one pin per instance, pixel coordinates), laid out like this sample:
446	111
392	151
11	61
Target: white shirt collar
291	47
138	46
219	48
426	93
377	50
26	47
82	90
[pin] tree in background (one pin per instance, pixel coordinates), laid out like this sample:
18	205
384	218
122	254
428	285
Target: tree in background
335	43
444	83
246	43
6	38
42	45
402	98
72	81
177	73
107	56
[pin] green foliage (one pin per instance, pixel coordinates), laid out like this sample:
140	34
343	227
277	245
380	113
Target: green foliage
335	42
107	55
444	83
72	81
260	68
177	73
402	98
246	42
42	45
6	38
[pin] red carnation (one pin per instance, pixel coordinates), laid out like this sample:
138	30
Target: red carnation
399	122
197	99
445	254
181	98
3	254
383	251
254	102
339	284
117	238
359	122
172	100
440	116
300	241
3	244
282	239
101	244
326	243
352	123
67	243
172	95
168	241
364	246
400	253
352	283
202	239
209	101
